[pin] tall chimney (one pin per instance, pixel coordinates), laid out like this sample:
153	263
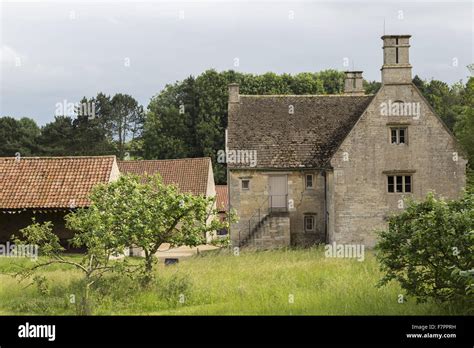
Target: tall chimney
353	83
396	67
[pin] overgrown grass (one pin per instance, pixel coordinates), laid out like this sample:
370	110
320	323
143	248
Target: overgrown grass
283	282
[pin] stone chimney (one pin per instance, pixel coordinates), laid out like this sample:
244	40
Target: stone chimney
353	83
234	93
396	67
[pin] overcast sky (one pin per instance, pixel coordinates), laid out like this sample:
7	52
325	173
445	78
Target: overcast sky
63	50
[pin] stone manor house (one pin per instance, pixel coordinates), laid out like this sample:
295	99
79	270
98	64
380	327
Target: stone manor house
332	168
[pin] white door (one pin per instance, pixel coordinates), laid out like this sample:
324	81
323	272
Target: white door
278	191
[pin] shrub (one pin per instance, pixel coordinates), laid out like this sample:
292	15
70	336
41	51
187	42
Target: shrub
428	249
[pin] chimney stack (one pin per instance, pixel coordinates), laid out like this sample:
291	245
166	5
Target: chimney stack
353	83
234	93
396	67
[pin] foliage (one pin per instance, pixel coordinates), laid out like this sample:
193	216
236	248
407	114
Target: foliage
444	99
429	249
18	136
464	128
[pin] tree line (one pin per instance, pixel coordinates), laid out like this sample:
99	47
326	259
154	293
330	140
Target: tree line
188	118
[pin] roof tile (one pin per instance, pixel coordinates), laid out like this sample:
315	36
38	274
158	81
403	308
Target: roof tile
51	182
308	137
189	174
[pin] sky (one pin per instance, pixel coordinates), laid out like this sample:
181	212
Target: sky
56	52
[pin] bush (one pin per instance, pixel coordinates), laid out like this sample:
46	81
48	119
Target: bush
428	249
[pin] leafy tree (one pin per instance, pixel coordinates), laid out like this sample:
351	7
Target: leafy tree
56	137
464	128
145	213
371	87
333	81
81	136
125	121
170	123
18	136
428	249
443	98
89	137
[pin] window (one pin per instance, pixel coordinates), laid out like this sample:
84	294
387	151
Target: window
309	181
398	135
396	51
309	223
222	232
399	183
245	184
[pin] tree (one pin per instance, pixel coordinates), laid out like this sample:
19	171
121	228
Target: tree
125	121
333	81
56	137
145	213
18	136
428	249
170	123
371	87
464	128
81	136
443	98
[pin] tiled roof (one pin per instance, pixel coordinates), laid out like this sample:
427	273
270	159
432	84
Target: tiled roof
189	174
222	197
306	138
51	182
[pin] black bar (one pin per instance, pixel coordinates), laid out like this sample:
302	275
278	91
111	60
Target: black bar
288	330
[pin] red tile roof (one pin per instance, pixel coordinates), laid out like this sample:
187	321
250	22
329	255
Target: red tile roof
51	182
189	174
222	197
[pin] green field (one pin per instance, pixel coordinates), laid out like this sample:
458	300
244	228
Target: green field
283	282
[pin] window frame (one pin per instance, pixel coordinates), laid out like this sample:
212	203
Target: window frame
393	182
306	182
242	184
313	218
397	135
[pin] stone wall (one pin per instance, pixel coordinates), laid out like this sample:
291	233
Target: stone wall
274	233
359	201
301	201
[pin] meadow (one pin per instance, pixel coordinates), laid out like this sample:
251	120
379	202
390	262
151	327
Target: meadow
280	282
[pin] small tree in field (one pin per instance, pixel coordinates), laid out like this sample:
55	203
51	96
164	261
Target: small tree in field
93	265
144	212
429	249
